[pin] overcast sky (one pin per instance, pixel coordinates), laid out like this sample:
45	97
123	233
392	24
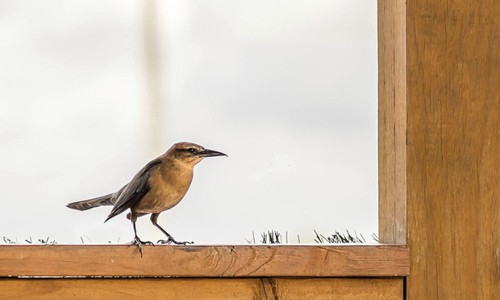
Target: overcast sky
286	88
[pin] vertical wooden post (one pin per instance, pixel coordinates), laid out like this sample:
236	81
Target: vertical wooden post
453	71
392	121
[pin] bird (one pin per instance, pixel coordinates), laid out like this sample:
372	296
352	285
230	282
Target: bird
158	186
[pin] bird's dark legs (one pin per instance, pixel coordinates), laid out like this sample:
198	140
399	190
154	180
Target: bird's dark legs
137	241
170	239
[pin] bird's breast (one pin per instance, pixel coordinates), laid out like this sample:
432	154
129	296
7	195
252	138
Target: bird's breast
166	190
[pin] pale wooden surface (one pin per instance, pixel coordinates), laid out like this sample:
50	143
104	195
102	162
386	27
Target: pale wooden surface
335	288
203	261
250	288
454	149
392	121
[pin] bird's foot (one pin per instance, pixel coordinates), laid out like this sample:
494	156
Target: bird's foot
137	242
171	240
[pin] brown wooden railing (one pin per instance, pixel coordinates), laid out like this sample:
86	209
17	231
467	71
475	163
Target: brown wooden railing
202	272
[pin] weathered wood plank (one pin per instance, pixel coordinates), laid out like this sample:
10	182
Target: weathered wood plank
202	288
454	149
338	288
203	261
392	121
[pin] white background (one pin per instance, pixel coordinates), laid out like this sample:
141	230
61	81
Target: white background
287	89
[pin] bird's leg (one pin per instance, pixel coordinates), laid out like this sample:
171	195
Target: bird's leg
137	241
170	239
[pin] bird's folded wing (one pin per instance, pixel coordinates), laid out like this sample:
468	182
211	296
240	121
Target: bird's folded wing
134	190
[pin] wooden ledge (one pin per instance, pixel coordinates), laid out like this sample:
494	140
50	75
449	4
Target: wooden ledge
204	261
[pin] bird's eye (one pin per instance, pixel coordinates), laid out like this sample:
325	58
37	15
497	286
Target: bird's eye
191	150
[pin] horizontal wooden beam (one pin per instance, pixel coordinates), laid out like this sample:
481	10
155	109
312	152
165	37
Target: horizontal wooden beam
204	288
203	261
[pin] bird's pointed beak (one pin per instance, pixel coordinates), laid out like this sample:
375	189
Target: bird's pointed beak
210	153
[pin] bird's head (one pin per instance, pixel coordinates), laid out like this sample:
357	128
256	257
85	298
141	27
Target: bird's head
191	153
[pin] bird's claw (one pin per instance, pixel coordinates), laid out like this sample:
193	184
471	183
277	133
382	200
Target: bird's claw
172	241
137	242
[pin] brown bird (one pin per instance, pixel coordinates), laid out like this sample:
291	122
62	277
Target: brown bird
158	186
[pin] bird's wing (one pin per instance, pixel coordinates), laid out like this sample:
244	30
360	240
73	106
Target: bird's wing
134	190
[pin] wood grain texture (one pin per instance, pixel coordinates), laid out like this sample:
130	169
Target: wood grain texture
203	261
182	288
454	149
392	121
347	288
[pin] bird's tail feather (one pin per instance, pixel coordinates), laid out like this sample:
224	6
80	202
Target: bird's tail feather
91	203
